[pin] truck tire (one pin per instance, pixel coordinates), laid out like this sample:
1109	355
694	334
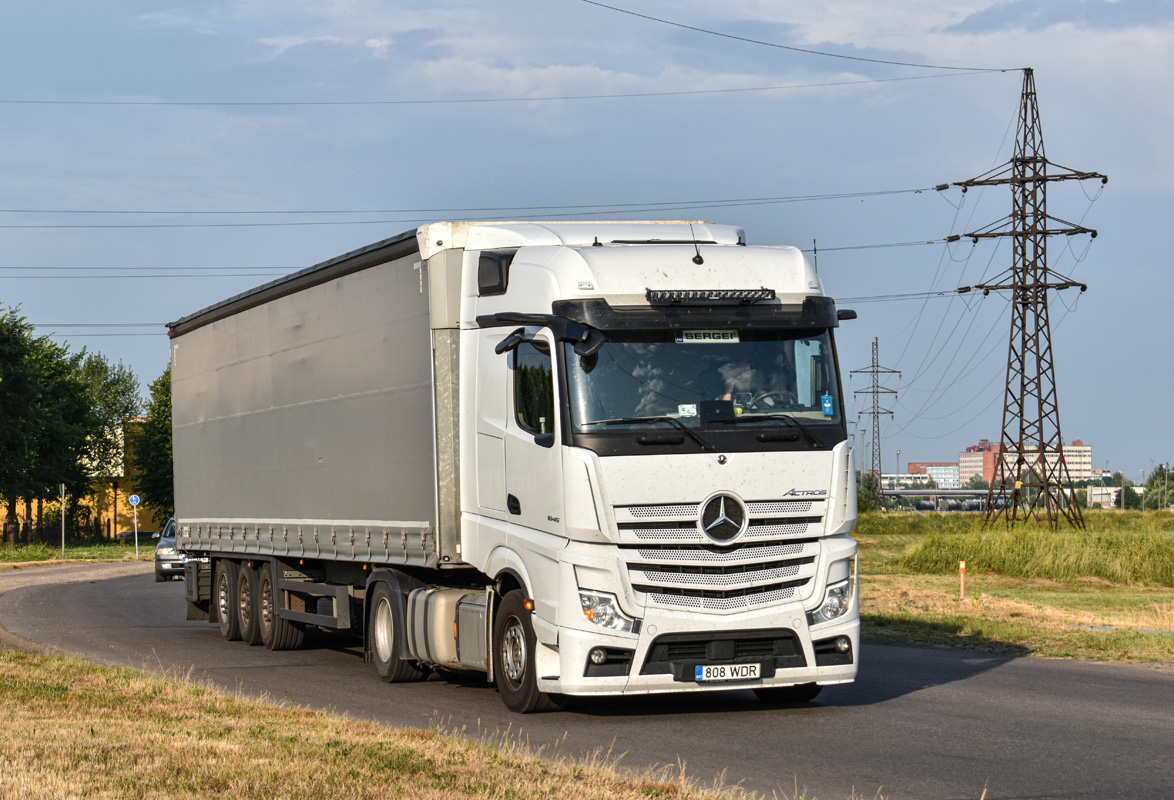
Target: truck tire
803	693
276	633
224	596
248	606
386	628
513	658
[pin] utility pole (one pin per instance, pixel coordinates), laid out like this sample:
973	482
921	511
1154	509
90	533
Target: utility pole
876	390
1031	453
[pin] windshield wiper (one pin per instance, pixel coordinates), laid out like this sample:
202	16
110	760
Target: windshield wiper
636	420
776	415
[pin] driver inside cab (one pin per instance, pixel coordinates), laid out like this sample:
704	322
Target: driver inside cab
750	390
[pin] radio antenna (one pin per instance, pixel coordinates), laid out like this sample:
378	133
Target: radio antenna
697	259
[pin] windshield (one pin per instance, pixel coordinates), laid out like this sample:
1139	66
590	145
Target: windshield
705	379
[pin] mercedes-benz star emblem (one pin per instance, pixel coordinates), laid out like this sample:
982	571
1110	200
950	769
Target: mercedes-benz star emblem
723	517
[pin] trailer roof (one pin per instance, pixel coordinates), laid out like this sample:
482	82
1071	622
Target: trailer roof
377	253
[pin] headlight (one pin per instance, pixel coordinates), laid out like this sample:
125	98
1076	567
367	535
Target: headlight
604	610
165	551
836	602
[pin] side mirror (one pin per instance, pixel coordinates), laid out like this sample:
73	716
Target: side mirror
845	313
544	440
511	341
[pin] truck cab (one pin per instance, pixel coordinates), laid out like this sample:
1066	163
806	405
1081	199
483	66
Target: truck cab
661	459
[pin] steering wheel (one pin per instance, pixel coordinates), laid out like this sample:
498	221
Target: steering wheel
772	401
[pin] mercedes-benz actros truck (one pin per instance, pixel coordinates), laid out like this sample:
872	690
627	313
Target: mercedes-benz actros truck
597	458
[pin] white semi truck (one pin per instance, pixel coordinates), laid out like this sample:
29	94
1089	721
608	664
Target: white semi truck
596	458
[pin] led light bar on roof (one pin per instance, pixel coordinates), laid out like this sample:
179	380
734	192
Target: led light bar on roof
676	297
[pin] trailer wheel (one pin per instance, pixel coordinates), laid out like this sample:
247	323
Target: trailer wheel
513	658
386	627
248	606
276	633
224	595
803	693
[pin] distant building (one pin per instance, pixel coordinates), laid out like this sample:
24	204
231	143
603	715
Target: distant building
1078	457
979	459
1104	496
904	480
943	473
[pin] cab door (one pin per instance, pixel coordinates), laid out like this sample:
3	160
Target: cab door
534	483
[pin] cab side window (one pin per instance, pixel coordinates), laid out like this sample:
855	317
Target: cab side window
534	387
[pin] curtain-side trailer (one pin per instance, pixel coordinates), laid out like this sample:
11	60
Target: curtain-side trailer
595	458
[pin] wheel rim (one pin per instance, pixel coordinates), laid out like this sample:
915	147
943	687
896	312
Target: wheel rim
513	650
266	604
384	630
222	597
245	601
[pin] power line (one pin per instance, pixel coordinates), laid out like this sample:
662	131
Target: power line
593	207
482	100
792	48
229	272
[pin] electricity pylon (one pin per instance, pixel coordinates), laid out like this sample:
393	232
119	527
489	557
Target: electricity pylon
876	390
1031	453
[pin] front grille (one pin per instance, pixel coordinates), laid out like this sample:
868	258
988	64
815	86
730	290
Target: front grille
697	555
679	654
671	561
741	576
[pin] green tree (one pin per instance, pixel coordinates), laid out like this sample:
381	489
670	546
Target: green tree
45	416
1157	488
113	392
65	424
976	482
151	453
17	407
866	491
1132	498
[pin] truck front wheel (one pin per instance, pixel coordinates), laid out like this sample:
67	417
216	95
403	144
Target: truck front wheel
224	595
513	658
386	628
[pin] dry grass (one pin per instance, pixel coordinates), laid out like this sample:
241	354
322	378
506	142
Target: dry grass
77	730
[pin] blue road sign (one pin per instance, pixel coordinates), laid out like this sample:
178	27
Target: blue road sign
134	500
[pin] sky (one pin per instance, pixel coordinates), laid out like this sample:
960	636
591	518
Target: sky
155	159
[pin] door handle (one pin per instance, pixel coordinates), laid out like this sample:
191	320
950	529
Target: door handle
512	504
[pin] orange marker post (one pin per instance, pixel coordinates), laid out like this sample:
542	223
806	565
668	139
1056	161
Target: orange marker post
962	579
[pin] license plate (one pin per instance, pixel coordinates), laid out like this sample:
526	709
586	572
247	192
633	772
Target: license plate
728	672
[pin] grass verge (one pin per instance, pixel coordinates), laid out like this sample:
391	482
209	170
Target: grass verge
74	729
29	554
1103	594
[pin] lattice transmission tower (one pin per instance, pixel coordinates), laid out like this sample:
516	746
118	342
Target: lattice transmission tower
876	390
1031	474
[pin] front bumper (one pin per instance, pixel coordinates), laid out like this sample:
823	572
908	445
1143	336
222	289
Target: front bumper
169	567
664	656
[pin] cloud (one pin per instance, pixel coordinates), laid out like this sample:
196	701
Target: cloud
1040	15
277	46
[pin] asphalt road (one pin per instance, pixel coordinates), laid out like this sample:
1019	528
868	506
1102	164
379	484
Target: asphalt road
918	723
